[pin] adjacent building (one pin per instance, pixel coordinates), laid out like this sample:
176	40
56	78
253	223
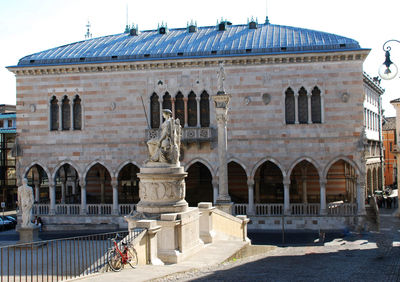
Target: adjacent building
389	143
8	188
303	124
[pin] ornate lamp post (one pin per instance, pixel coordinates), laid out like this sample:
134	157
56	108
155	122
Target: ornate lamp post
388	69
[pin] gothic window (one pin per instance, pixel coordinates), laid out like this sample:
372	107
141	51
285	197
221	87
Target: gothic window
66	114
155	111
316	105
204	110
77	113
54	113
289	106
180	108
303	106
167	102
192	109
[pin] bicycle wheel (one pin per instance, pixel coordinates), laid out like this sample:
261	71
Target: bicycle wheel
132	256
114	260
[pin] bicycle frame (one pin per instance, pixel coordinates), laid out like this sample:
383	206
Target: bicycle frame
124	254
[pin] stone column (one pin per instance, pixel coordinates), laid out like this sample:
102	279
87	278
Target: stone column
221	101
361	196
63	190
37	191
309	107
198	111
322	183
71	115
286	197
114	184
296	108
304	184
322	109
60	115
257	187
250	184
52	192
173	106
215	190
82	183
185	100
161	108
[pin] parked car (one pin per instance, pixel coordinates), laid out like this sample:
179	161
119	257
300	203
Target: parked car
6	224
10	218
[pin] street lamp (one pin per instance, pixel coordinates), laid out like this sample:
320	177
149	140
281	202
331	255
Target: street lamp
388	69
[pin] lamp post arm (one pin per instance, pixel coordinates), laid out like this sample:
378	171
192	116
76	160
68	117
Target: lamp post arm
388	48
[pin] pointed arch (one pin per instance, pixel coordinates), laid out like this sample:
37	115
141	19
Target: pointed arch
237	182
202	161
121	165
192	109
93	163
65	113
204	109
199	184
69	162
32	164
303	105
344	158
128	182
308	159
154	111
316	105
167	101
289	106
180	108
77	113
267	159
54	113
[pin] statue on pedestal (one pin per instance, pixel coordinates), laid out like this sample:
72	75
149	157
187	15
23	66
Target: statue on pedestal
221	79
166	147
25	203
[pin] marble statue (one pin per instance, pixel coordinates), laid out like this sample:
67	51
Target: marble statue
25	203
166	147
221	78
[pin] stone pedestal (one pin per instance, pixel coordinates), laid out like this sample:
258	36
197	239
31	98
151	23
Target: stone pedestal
28	234
224	206
162	189
179	237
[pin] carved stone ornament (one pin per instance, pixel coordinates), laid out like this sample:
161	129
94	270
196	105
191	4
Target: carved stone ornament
221	78
113	105
32	108
247	100
345	97
266	98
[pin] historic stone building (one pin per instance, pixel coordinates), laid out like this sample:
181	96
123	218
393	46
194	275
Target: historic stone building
389	143
296	140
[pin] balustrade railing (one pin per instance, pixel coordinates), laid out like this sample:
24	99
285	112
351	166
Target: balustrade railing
269	209
68	209
75	209
58	260
304	209
342	209
240	209
41	209
125	209
102	209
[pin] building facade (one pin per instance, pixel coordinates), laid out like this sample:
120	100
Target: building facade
8	192
297	143
389	143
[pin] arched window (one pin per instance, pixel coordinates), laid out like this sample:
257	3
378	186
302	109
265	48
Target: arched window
155	111
192	109
289	106
77	112
167	102
204	109
180	108
66	114
316	105
54	113
303	106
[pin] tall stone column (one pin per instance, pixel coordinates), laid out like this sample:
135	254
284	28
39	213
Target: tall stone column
250	184
215	190
185	101
37	191
82	183
52	192
221	101
286	197
63	185
361	196
296	108
322	184
114	184
198	111
309	108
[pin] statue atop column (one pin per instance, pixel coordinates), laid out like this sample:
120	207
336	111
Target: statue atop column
221	79
166	147
25	203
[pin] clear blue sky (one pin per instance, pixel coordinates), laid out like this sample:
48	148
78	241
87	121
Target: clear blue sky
29	26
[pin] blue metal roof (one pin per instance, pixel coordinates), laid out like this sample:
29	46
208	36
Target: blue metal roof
205	42
8	130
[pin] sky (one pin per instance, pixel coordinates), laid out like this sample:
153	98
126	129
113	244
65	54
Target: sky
30	26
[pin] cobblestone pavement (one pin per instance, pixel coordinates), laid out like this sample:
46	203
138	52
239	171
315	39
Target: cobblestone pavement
352	258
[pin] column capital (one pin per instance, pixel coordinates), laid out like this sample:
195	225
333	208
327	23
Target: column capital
114	183
82	181
286	182
250	182
323	182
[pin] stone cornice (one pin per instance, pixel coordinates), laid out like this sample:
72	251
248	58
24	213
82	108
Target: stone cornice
254	60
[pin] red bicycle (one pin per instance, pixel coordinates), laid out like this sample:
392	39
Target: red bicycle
117	258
